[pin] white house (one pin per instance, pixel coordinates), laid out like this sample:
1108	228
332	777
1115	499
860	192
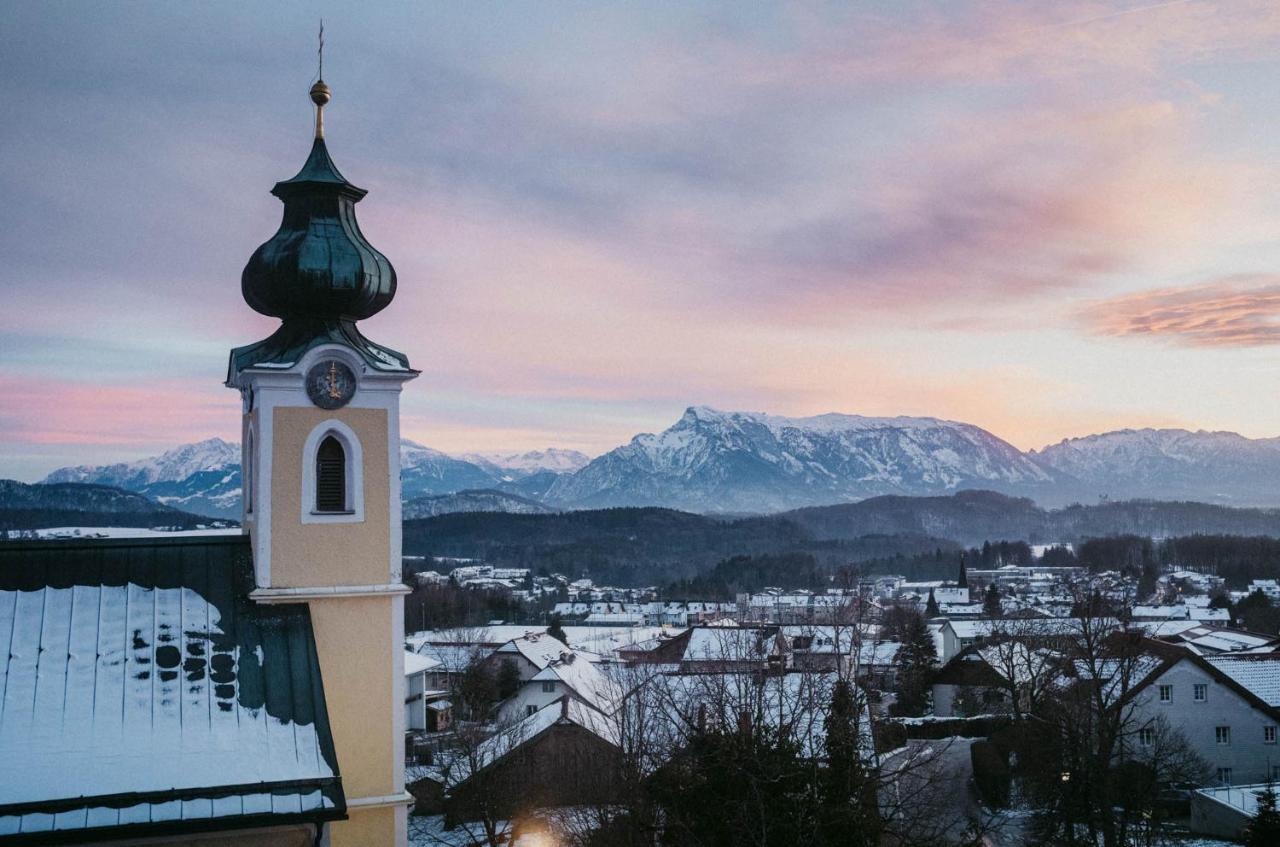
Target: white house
1227	706
417	691
567	675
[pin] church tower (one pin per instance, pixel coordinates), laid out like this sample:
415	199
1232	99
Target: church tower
321	471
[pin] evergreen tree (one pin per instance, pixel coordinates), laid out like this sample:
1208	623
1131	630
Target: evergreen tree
931	608
1264	829
508	679
915	668
555	630
991	602
963	581
849	814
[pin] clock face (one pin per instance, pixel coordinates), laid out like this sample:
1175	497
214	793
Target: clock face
331	384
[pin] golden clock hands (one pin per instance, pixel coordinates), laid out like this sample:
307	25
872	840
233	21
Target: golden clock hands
334	393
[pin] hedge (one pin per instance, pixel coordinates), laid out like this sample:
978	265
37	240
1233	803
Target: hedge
990	773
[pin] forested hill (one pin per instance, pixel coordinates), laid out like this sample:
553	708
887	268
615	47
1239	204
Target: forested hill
636	546
972	517
24	507
640	546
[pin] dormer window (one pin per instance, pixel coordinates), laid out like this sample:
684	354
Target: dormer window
331	477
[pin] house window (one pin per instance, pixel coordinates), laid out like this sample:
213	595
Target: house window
548	688
1222	734
1275	773
331	476
1166	694
1224	776
1200	692
530	710
1268	735
1146	736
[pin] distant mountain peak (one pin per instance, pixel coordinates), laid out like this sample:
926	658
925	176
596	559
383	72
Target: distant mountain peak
555	459
719	461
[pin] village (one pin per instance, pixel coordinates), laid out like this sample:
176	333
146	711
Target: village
945	674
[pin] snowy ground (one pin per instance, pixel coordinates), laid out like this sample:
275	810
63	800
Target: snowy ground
75	532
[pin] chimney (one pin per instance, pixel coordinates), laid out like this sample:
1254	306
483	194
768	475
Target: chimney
744	723
564	708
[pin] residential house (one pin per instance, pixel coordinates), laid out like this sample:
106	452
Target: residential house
1227	706
567	675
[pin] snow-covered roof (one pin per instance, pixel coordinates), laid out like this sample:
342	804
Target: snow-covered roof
541	650
799	701
565	711
1206	637
728	644
140	688
415	663
584	678
1259	673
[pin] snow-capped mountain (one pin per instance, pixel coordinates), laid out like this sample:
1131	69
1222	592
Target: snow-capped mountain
1221	467
713	461
518	465
717	462
424	471
202	478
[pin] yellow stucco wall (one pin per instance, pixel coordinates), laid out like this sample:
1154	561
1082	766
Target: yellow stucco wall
365	827
354	641
305	555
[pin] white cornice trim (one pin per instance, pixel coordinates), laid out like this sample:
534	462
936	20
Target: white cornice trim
404	798
325	592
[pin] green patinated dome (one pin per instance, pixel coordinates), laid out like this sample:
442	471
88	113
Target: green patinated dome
318	264
318	273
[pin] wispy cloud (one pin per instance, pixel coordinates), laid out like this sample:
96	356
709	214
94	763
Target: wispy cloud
1239	311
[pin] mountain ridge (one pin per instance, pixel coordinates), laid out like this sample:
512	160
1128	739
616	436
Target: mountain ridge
724	462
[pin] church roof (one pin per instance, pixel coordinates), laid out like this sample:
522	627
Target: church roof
141	693
318	273
288	344
318	169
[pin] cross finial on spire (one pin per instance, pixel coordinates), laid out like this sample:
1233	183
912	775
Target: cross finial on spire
320	93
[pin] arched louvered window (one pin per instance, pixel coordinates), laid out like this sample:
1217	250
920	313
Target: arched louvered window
331	476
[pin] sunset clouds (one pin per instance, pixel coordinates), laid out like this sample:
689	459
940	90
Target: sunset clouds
1001	212
1239	311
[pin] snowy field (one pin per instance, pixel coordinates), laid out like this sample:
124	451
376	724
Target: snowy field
77	532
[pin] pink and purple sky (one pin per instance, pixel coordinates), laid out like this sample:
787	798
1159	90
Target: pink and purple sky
1047	219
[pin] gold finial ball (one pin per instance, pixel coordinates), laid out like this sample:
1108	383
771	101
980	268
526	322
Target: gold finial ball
320	93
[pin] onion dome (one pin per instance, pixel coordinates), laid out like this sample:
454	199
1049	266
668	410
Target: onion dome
318	265
317	274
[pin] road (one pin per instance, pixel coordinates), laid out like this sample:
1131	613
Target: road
928	794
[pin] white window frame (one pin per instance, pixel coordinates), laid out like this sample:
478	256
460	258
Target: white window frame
1269	734
548	687
1146	736
1164	690
1200	692
1224	776
1222	735
354	455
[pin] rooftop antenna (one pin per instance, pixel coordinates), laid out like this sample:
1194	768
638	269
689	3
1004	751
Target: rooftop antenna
320	93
